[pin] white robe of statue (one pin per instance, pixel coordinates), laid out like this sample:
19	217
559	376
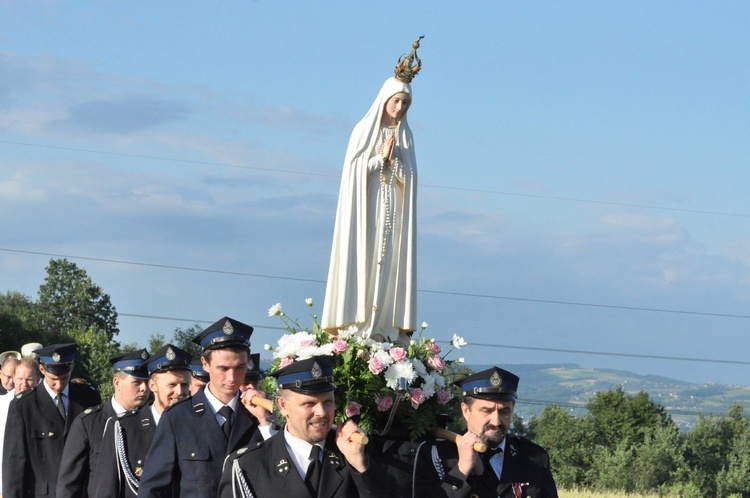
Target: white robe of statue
372	278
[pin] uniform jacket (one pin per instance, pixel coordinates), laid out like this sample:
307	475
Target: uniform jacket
270	473
526	473
35	437
137	431
189	449
81	452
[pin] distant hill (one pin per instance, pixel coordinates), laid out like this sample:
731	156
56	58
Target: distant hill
571	386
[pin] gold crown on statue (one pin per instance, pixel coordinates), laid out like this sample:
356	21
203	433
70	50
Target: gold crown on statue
408	66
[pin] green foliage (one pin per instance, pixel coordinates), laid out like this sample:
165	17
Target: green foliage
92	359
16	321
69	301
155	343
570	442
183	339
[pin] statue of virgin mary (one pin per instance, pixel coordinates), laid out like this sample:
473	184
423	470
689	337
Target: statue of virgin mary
372	277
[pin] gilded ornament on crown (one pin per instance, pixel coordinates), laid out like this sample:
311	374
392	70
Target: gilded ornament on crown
408	66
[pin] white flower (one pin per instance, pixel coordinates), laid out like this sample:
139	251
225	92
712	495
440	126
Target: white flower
439	379
324	350
460	360
428	387
382	356
396	371
348	333
458	341
419	367
294	345
267	347
424	325
308	301
274	310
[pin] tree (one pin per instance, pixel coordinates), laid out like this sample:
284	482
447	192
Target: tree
183	339
155	343
69	301
16	321
620	416
92	359
570	442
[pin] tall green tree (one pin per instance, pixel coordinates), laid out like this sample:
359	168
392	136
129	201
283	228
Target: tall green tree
92	359
70	301
16	321
183	339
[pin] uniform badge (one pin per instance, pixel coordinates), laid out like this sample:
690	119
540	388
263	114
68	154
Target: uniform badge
144	355
250	364
138	471
170	354
333	459
88	410
198	409
496	380
145	424
56	357
316	371
282	467
227	328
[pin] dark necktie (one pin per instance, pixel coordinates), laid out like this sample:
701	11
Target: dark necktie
312	476
60	405
226	412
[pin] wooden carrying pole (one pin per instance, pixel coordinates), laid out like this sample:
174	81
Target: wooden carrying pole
479	447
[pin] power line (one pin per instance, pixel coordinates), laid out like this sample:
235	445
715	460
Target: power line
426	291
488	345
329	175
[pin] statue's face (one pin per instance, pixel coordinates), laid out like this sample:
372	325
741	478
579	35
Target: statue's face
396	107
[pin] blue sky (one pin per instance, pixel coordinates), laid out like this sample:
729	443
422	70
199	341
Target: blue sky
582	167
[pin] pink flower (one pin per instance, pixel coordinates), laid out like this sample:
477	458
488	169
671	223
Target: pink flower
306	343
339	346
436	362
352	409
432	347
285	362
384	403
375	365
443	397
417	397
397	354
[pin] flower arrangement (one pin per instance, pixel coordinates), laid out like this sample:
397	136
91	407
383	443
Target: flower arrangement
377	383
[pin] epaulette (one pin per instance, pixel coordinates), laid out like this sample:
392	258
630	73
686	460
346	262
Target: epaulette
92	409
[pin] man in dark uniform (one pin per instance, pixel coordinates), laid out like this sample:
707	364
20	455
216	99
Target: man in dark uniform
512	467
127	441
38	422
308	458
194	436
198	376
81	453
